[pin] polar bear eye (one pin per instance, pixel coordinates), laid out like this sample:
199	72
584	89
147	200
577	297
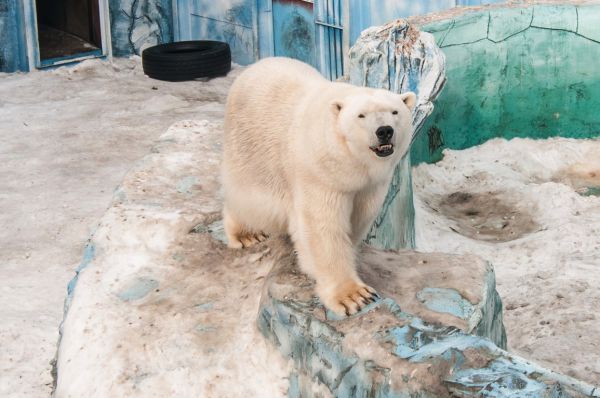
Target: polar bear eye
395	113
361	116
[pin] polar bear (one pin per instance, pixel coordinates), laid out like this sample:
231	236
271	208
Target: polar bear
313	159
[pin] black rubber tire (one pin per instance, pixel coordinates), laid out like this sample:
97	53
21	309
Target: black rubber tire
187	60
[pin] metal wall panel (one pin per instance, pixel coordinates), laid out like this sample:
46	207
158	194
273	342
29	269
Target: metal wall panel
264	28
294	30
231	21
328	21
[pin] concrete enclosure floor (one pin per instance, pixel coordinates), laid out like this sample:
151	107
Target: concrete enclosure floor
67	137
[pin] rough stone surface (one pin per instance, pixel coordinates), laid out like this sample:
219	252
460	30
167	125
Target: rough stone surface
159	307
400	346
399	58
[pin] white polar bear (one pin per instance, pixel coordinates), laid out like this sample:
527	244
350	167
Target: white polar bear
313	159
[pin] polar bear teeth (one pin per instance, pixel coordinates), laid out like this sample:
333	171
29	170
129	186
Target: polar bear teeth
383	150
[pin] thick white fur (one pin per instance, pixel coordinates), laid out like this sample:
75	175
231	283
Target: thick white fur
297	160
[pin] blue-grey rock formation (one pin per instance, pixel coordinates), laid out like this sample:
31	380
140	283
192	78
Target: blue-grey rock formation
432	335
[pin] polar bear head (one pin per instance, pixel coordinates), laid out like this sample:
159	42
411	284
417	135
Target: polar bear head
375	123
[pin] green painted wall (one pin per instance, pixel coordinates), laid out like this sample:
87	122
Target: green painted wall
515	72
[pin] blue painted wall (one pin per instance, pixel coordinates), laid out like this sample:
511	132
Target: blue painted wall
253	28
231	21
367	13
137	24
260	28
330	44
13	52
294	30
303	29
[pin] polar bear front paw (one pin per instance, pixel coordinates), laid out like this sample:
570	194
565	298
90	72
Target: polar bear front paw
348	298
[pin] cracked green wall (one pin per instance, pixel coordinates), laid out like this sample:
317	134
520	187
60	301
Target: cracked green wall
515	72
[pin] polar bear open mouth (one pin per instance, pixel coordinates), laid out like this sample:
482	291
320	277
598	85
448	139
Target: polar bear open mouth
383	150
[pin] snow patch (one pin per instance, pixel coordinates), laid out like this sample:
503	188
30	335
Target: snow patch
547	273
165	309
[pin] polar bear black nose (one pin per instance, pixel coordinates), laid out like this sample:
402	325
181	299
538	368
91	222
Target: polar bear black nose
384	133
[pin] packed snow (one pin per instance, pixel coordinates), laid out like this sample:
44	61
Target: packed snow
67	137
530	207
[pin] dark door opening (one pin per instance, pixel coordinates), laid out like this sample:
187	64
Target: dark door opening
67	28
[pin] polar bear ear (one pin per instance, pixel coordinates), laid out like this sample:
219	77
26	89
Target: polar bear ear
336	107
409	99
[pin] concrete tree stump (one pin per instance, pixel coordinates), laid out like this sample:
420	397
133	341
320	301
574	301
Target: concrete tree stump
400	58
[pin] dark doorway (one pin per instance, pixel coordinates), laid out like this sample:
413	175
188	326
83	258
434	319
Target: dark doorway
67	28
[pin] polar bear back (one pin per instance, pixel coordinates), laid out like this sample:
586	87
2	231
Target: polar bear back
261	107
263	102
